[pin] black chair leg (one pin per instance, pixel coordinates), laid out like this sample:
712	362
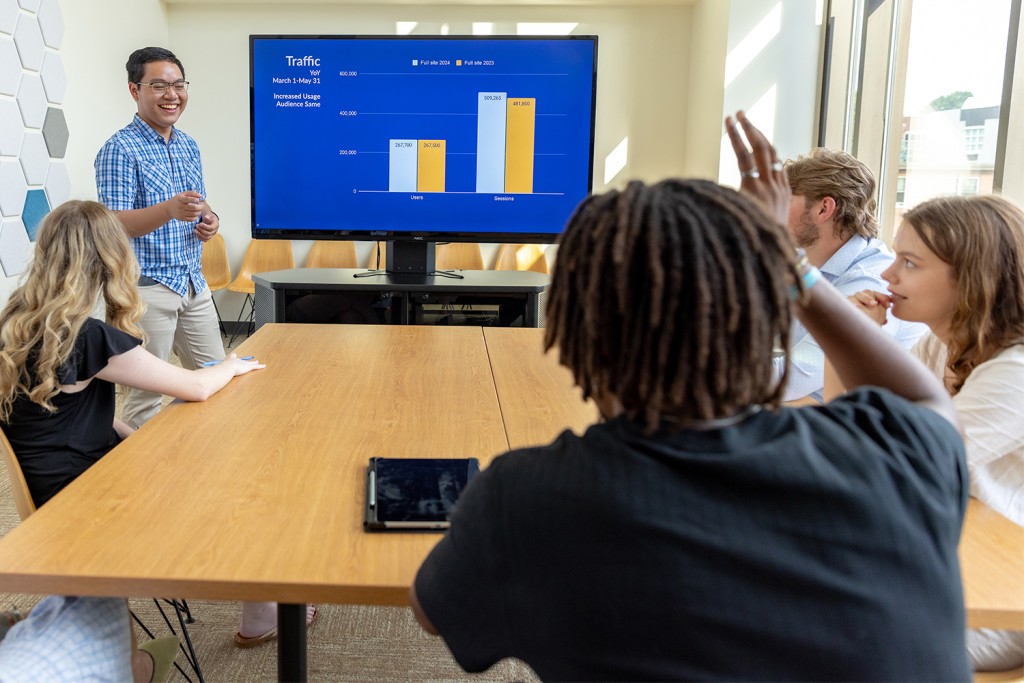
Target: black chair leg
249	322
186	647
223	331
145	629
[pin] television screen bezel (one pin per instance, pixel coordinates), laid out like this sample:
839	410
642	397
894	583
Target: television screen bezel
398	234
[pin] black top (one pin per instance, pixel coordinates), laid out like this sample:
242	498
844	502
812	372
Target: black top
808	544
54	448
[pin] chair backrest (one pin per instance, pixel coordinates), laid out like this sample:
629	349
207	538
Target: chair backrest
378	248
216	268
262	256
461	256
19	487
521	257
332	254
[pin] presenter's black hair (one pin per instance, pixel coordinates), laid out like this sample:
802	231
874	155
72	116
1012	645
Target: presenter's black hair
137	61
671	298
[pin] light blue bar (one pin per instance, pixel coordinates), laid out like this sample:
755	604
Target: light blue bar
402	166
490	141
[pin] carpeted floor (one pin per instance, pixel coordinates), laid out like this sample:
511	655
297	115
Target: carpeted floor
346	643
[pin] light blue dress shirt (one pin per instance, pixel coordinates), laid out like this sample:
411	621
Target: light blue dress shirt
856	266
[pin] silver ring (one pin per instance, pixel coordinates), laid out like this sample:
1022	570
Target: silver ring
777	166
750	173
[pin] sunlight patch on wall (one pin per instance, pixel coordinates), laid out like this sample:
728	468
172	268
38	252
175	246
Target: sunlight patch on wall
616	160
483	28
404	28
740	57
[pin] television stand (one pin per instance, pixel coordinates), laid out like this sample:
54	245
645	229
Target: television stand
345	295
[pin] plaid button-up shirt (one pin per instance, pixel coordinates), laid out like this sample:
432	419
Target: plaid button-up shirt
137	168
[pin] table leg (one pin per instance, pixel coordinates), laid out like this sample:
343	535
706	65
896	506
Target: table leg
291	642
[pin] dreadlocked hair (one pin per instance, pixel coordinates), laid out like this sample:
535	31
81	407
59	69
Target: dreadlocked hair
671	298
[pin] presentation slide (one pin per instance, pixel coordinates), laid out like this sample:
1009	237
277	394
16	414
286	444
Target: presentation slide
420	135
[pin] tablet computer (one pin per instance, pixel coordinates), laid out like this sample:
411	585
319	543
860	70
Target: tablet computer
415	494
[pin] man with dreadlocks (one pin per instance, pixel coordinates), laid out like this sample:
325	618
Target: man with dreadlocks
701	531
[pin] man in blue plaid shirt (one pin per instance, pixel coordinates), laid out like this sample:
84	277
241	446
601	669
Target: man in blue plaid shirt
150	174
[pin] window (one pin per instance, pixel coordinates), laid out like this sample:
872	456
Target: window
966	185
974	139
951	103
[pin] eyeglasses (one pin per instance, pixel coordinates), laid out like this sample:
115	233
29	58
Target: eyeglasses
160	87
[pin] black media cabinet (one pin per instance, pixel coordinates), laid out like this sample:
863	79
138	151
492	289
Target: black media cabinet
408	299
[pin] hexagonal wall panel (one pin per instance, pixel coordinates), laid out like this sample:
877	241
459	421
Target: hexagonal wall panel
15	247
10	67
55	132
30	5
12	130
58	184
36	206
12	188
32	100
55	80
29	40
51	23
34	158
8	16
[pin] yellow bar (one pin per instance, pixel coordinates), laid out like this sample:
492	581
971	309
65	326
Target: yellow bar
519	144
430	166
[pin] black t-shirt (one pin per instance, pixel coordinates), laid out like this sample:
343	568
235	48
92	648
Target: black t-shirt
808	544
54	448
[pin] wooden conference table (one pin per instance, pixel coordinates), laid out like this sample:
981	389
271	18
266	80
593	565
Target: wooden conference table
257	494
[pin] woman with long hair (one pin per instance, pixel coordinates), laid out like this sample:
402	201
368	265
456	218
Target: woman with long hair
59	364
960	269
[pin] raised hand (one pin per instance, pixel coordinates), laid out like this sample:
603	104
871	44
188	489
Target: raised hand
762	175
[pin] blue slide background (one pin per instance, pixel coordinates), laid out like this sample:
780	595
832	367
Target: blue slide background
302	182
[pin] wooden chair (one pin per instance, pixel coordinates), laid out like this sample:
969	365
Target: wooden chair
459	256
19	487
521	257
262	256
216	269
26	506
332	254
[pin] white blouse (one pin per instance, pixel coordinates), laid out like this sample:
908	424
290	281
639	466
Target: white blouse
991	409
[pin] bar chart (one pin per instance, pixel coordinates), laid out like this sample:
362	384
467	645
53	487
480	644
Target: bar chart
505	133
449	136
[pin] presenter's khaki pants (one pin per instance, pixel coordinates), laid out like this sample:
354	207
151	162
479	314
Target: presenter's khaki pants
186	324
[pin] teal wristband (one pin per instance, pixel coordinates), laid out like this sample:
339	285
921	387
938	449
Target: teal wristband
808	279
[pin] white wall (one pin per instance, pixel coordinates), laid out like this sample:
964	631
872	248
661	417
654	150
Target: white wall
99	36
772	73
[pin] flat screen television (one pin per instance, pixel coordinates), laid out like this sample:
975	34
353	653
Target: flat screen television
419	140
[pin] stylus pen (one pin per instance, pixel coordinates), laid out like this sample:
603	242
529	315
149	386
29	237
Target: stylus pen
211	363
372	489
